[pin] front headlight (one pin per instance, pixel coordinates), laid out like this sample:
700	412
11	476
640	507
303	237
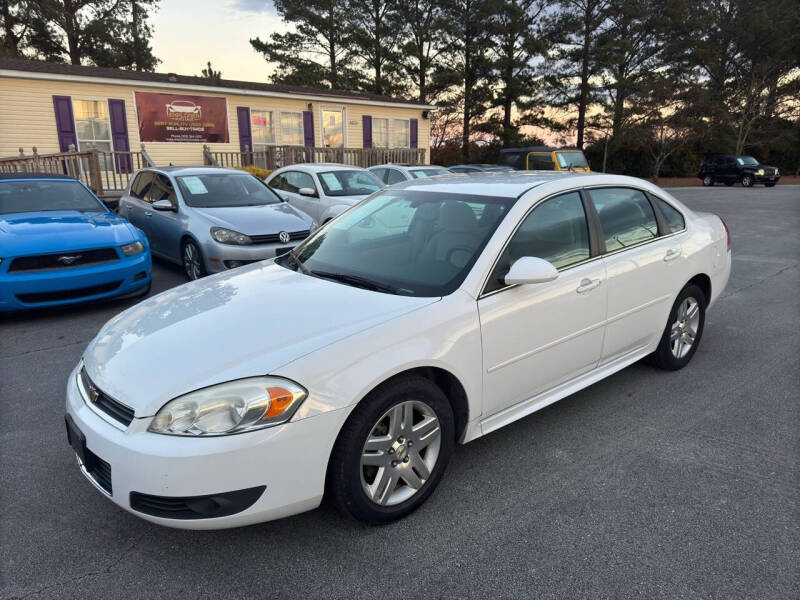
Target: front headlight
232	407
132	249
776	171
228	236
760	172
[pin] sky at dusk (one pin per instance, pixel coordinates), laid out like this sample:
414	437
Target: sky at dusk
188	33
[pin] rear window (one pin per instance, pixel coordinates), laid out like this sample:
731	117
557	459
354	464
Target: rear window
420	173
36	196
673	217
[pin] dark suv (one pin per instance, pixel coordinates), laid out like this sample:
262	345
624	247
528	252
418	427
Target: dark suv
730	169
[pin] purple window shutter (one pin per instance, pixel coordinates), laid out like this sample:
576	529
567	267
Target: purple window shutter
65	123
245	133
308	128
413	133
366	122
119	135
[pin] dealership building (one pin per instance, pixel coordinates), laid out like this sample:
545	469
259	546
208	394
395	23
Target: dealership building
53	106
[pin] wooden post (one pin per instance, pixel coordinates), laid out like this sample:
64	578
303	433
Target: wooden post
95	180
147	158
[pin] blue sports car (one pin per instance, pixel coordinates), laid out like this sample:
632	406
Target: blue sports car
60	245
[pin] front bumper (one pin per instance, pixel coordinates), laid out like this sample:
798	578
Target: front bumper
35	289
766	178
290	460
219	257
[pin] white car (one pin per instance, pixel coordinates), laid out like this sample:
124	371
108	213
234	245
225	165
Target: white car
323	190
391	173
434	312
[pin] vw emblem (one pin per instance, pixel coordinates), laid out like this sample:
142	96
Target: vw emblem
68	259
284	237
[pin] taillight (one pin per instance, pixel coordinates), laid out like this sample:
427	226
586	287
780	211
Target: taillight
727	232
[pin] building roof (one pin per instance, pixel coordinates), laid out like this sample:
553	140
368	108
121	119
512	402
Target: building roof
167	80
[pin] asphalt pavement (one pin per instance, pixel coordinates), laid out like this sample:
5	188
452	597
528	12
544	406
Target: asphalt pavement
647	484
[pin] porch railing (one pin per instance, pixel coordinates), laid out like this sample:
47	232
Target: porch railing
105	173
274	157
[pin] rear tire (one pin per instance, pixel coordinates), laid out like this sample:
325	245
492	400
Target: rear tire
683	332
708	180
392	451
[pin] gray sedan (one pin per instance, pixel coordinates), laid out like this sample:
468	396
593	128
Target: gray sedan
211	219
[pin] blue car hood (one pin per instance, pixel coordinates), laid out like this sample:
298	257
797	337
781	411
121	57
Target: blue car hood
61	231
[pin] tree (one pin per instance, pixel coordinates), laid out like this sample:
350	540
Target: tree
517	40
374	27
423	46
106	33
209	73
469	41
317	50
571	65
15	26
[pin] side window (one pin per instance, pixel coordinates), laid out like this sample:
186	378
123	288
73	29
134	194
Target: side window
278	183
556	230
393	176
625	215
160	189
140	184
673	217
379	173
295	180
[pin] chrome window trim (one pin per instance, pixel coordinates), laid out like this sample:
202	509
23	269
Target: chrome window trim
485	294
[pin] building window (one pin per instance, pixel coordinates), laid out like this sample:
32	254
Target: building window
380	133
292	133
263	129
400	129
332	128
93	129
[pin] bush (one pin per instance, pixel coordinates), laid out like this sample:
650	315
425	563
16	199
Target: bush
257	171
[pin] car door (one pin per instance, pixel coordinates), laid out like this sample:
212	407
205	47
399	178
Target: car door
293	182
537	336
164	229
132	205
645	269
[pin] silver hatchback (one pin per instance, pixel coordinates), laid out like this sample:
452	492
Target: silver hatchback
210	219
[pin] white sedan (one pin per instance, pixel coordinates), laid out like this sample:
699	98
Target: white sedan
392	173
430	314
323	190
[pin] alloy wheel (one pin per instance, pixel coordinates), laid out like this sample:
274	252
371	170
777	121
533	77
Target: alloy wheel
684	330
400	453
747	181
707	180
191	261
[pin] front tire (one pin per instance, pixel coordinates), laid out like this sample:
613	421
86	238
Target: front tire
392	451
708	180
193	266
684	329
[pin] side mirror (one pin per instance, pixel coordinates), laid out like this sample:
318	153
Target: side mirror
163	205
530	269
307	192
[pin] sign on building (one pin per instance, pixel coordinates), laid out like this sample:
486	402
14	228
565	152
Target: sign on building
181	118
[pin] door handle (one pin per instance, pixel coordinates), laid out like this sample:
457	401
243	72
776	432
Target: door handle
147	213
587	285
672	254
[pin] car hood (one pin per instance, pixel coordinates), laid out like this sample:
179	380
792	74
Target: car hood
241	323
61	231
257	220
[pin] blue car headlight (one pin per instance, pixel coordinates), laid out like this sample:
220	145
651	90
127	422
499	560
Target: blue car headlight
133	249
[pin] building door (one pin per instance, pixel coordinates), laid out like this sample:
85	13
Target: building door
333	127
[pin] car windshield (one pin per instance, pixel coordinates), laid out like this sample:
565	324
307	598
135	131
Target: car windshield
571	159
218	190
431	172
349	183
41	195
414	243
747	160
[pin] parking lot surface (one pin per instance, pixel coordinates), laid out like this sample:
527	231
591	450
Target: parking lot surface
647	484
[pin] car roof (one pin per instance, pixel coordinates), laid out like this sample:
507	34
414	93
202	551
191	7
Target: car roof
506	184
12	176
317	167
202	170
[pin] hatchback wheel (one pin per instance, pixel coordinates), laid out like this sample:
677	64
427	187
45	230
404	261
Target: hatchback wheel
392	451
708	180
747	181
192	261
683	331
